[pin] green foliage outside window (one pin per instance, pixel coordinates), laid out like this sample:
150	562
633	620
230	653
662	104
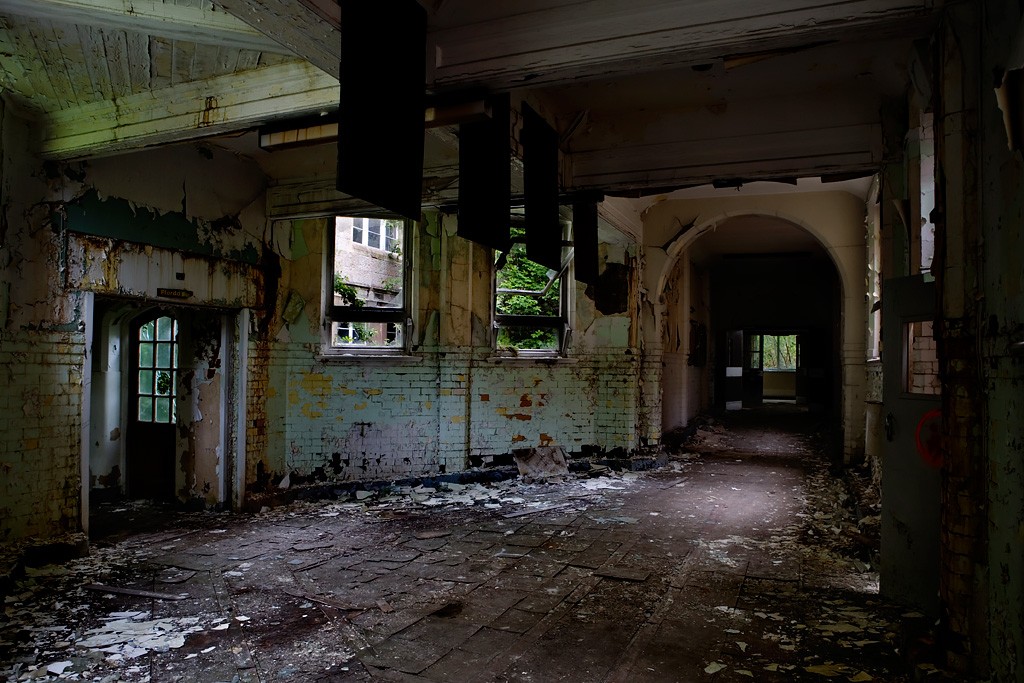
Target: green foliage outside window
521	273
779	352
347	292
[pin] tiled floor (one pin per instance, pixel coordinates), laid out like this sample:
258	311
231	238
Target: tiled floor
709	569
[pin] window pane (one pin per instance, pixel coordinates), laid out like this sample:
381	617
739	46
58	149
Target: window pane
163	329
365	278
522	337
145	355
771	353
373	233
146	332
391	233
163	355
526	288
163	409
357	228
145	381
145	409
366	334
921	360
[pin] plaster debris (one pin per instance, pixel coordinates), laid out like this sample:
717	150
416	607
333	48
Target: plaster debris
362	582
543	463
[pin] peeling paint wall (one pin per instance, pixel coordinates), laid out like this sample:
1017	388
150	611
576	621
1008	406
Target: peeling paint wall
41	354
687	349
188	237
449	403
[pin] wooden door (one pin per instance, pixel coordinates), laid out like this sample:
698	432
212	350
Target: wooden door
152	408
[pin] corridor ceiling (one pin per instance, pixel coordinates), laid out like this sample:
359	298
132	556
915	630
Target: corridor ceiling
647	95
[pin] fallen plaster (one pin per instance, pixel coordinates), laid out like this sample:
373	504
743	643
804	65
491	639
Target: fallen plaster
723	562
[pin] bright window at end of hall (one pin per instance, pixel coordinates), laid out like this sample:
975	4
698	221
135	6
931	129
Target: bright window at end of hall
366	305
531	301
780	352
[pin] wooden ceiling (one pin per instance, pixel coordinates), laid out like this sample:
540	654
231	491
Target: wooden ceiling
646	93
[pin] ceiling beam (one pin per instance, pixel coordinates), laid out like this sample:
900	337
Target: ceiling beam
555	42
189	110
811	134
303	27
166	20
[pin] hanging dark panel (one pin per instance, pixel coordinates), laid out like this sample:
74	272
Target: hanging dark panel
540	190
584	239
383	96
485	178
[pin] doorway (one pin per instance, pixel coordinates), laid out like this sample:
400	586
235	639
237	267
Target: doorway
152	406
163	405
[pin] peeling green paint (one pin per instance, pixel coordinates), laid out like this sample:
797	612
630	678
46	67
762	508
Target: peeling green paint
119	219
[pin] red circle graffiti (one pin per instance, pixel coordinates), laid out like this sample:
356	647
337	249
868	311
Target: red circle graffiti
929	443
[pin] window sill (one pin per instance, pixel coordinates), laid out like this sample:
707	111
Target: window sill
532	360
360	358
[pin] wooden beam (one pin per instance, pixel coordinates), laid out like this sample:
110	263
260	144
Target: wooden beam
558	41
810	134
190	110
167	20
299	26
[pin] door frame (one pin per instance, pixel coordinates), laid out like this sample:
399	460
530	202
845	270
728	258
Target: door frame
107	320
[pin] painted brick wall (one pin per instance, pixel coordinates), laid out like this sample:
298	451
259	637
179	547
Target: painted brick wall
40	432
354	420
390	419
449	400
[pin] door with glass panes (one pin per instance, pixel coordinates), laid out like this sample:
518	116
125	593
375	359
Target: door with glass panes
152	409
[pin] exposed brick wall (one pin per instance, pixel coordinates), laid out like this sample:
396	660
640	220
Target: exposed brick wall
256	408
40	432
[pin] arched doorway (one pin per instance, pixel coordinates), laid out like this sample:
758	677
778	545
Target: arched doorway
743	275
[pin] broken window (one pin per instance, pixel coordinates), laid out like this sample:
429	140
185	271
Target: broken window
368	276
531	302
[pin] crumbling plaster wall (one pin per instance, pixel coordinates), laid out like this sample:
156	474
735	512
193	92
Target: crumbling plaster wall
196	226
686	345
836	219
450	402
41	353
56	244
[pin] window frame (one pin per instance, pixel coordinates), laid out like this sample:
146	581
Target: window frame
400	317
561	323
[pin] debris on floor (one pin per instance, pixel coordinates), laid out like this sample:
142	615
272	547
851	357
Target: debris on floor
721	565
543	463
